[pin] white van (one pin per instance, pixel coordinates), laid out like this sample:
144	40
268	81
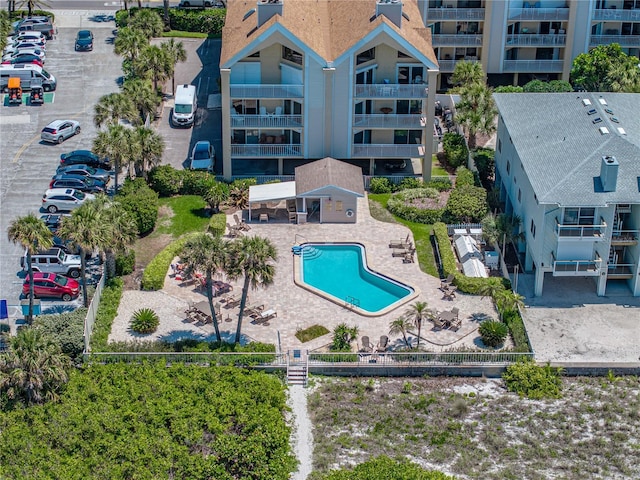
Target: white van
185	106
199	3
26	72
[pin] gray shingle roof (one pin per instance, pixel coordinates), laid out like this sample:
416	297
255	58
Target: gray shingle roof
329	171
561	149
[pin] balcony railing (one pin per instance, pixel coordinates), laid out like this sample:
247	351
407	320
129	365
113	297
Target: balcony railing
266	91
447	65
387	151
547	66
620	270
623	40
539	14
453	40
266	121
390	90
579	268
617	15
468	14
388	121
261	150
535	40
624	237
581	232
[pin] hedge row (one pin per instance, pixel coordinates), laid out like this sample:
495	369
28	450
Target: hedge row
208	21
141	202
156	271
217	224
168	181
107	311
384	185
455	149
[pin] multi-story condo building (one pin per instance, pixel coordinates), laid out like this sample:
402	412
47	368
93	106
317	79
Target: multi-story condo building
520	40
568	165
303	80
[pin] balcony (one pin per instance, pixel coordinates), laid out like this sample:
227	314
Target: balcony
528	66
388	90
266	121
624	237
620	271
389	121
261	150
593	233
617	15
447	65
535	40
545	14
467	14
623	40
459	40
577	268
266	91
387	151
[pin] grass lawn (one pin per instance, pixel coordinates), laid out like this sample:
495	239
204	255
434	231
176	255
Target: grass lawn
436	168
310	333
181	215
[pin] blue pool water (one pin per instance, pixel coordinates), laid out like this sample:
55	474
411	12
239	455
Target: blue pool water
339	270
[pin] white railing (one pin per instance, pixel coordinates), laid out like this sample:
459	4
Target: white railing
620	270
416	358
262	150
387	151
624	236
266	121
391	90
577	267
623	40
532	66
579	232
456	40
539	14
200	358
468	14
534	40
90	318
617	15
266	91
389	121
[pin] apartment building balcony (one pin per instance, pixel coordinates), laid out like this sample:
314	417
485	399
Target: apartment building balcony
616	15
542	14
447	65
623	40
468	14
390	90
387	151
265	150
266	121
266	91
459	40
624	237
536	40
589	233
577	268
620	271
389	121
546	66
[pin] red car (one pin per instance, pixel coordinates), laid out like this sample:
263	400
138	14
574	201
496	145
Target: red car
48	285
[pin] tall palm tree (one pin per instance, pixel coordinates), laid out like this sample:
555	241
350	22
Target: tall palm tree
5	27
476	111
400	325
31	233
113	107
116	144
165	14
208	253
86	229
467	73
129	43
151	148
152	63
175	53
418	313
490	289
509	300
251	257
148	22
142	94
33	369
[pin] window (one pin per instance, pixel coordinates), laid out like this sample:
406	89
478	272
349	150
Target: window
533	229
410	74
403	55
508	167
291	55
255	55
362	138
366	56
338	205
579	216
519	195
499	145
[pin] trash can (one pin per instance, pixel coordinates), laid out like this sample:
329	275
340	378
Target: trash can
25	307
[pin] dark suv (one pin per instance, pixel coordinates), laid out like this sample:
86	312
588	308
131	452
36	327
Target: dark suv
84	157
84	184
84	41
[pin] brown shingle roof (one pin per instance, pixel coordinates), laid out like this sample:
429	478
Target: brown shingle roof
329	171
328	27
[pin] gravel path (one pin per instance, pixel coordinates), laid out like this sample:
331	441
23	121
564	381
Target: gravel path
302	431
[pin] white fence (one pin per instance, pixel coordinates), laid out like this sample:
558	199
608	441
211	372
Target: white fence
90	319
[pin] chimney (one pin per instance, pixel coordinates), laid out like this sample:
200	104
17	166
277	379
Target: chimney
267	9
392	9
609	173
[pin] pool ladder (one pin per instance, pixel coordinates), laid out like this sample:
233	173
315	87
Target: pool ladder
352	303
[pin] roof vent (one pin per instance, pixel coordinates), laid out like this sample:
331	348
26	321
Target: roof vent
586	101
602	101
596	120
621	131
609	173
604	130
609	111
592	111
615	120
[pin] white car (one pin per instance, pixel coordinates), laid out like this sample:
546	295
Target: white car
29	37
64	199
27	51
23	46
202	156
59	130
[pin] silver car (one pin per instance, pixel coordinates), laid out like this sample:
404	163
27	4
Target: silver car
64	199
59	130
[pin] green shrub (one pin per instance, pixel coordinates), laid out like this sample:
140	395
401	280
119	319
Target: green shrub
493	333
196	182
312	332
466	204
66	329
165	180
380	185
126	263
554	86
455	149
408	183
208	21
107	311
137	198
383	468
156	271
145	320
517	329
217	224
508	89
440	185
532	381
447	256
485	163
343	335
18	14
406	204
464	176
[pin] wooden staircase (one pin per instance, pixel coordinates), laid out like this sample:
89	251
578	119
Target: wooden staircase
297	367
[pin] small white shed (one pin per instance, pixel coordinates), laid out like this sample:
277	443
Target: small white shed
474	267
466	248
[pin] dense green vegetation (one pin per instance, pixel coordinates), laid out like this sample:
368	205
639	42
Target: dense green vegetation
156	271
141	203
188	215
533	381
383	468
209	21
152	422
107	311
312	332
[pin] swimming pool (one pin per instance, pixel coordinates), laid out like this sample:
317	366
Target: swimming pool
338	272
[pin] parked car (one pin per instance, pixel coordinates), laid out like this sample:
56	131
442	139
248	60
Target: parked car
53	220
64	199
53	260
84	40
202	156
59	130
24	49
84	184
85	171
84	157
13	47
50	285
22	57
30	36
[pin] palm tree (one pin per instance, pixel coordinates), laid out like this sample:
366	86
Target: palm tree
151	148
116	144
509	300
129	43
490	289
624	75
175	53
476	111
113	107
148	22
467	73
86	229
5	27
143	96
31	233
152	63
209	253
251	257
400	325
33	369
416	314
165	14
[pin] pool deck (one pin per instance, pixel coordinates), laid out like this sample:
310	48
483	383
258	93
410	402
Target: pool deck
298	308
